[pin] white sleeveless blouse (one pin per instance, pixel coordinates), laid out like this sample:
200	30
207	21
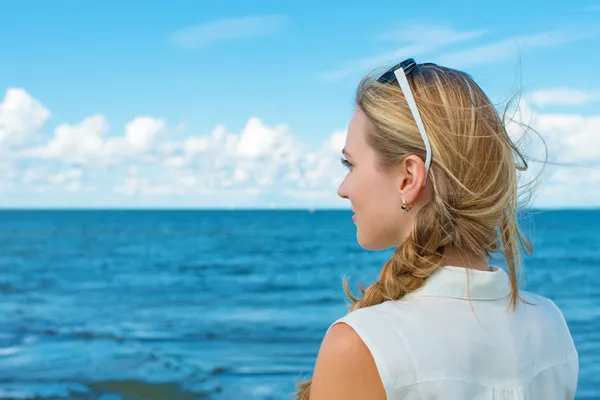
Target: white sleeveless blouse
436	344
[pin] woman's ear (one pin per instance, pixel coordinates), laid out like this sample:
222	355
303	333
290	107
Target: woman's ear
411	177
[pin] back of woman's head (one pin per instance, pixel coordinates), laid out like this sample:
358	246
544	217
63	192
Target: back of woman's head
473	177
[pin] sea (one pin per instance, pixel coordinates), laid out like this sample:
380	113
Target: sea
232	304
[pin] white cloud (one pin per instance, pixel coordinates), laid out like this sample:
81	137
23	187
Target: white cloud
44	179
218	141
70	179
175	162
572	175
196	145
418	38
131	185
315	174
34	175
569	137
69	175
148	186
578	178
258	164
86	141
335	143
21	117
424	32
141	133
74	143
321	195
209	34
240	175
570	188
563	97
509	48
258	140
268	159
415	38
574	138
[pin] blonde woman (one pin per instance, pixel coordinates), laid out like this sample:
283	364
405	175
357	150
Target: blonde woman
433	173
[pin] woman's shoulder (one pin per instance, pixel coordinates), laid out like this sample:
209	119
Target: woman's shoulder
369	318
372	318
541	306
545	313
378	328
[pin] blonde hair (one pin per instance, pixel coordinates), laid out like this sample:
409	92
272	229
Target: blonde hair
474	174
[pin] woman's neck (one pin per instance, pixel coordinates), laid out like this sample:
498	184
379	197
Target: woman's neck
455	257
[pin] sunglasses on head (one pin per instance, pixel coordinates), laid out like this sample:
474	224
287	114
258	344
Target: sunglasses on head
399	72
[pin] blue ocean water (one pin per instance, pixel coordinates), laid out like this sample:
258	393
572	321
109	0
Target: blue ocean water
218	304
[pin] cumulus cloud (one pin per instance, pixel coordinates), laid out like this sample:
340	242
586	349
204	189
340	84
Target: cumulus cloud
569	137
74	142
142	132
569	188
572	142
258	140
21	117
335	143
44	178
574	138
86	142
260	155
70	179
260	162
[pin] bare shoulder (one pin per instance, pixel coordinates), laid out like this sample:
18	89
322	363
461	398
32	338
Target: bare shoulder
345	368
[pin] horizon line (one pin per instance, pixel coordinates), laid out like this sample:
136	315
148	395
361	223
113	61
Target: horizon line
310	209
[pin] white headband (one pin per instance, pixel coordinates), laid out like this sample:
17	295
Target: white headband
403	82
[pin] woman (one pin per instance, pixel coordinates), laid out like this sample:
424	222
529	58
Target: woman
433	172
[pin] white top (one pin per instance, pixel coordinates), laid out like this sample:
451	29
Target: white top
436	344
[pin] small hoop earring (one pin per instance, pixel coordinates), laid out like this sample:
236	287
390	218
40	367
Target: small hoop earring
405	207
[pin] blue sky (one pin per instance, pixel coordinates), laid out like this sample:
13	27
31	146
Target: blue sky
245	104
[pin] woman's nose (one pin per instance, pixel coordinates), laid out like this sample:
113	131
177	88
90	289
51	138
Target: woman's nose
342	190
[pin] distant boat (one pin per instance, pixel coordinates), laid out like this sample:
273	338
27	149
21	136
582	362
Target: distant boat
311	210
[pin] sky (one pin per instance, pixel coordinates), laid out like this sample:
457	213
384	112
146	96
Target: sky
232	104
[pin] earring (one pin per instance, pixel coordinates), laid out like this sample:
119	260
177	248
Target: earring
405	207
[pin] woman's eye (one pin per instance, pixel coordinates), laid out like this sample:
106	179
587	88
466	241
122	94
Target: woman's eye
346	163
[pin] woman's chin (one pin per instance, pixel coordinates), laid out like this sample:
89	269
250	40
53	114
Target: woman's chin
370	243
365	243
